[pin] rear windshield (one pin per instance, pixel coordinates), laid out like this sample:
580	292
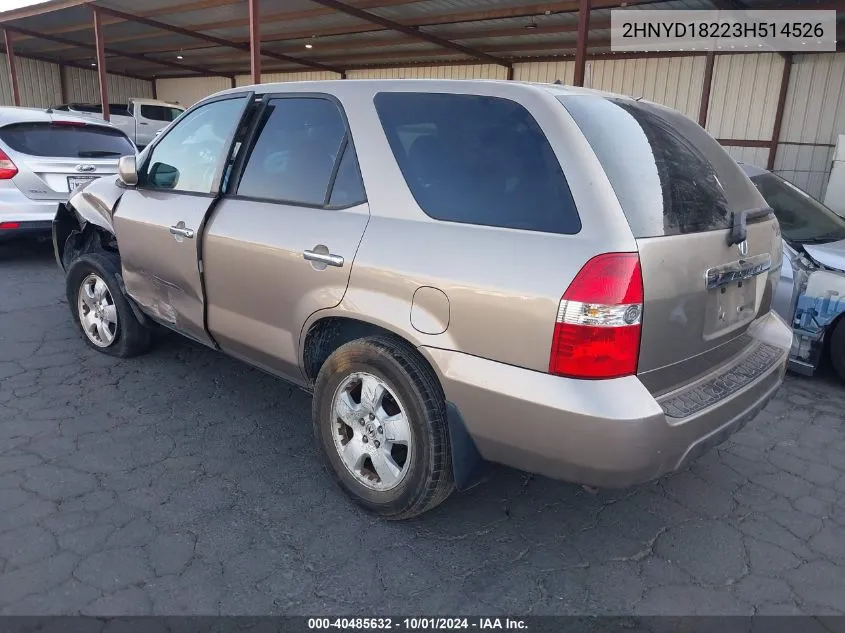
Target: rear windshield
669	175
66	141
477	160
114	108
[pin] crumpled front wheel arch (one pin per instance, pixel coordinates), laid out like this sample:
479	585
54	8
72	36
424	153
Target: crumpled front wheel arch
73	236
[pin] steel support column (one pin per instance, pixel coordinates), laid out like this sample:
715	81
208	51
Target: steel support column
581	43
254	42
101	63
63	82
13	72
706	88
784	88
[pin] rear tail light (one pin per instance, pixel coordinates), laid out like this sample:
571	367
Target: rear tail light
9	225
597	332
70	123
7	167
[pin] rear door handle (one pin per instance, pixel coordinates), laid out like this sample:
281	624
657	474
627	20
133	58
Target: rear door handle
180	231
324	258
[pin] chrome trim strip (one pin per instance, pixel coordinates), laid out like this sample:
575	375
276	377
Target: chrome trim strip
733	272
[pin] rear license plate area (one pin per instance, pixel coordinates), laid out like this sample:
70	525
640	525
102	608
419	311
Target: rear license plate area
75	181
732	294
733	304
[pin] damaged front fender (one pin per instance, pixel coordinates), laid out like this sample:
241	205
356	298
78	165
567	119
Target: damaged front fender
96	202
819	299
88	215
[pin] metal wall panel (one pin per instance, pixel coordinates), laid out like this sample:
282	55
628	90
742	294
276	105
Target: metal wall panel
38	82
815	114
5	83
672	81
83	86
187	91
758	156
122	88
806	166
815	102
545	72
744	96
306	75
472	71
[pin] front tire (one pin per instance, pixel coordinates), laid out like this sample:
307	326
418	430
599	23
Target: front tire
101	312
837	349
380	422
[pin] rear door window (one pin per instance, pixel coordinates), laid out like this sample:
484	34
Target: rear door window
293	159
669	175
66	140
477	160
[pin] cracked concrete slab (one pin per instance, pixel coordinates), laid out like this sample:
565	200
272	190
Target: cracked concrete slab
185	482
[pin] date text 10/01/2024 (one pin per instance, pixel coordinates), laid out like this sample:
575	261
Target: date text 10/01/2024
416	623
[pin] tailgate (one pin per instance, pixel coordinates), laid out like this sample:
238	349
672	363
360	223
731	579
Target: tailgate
708	270
700	298
54	179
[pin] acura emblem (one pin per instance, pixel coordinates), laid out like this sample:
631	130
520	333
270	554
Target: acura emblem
743	248
85	168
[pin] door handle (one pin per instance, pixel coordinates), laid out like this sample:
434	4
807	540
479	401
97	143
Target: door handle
180	231
324	258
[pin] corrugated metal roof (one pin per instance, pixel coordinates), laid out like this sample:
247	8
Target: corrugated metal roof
438	7
504	28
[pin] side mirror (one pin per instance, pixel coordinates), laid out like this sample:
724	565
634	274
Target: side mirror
127	170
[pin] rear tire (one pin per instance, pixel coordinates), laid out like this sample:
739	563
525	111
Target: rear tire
837	349
103	315
380	422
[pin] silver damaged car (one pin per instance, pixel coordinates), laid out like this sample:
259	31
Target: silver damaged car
811	291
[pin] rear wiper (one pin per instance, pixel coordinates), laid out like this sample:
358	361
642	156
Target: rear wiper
739	223
97	153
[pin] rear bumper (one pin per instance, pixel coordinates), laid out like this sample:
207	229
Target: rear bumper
28	216
22	229
609	433
15	207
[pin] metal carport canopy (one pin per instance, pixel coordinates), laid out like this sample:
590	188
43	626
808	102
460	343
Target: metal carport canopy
188	38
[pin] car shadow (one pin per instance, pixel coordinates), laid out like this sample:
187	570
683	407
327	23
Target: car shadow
270	408
27	249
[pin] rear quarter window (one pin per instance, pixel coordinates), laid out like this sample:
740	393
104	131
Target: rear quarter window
669	175
477	160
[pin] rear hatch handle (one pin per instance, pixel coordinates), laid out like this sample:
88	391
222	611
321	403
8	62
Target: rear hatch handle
739	223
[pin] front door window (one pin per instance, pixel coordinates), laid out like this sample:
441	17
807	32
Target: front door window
189	157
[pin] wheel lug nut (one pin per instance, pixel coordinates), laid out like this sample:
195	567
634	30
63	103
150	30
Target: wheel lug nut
380	430
377	443
372	416
365	439
361	421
